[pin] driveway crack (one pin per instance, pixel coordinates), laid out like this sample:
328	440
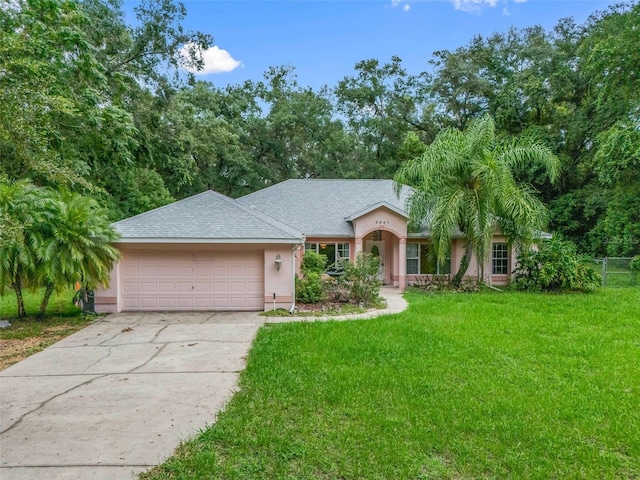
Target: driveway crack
149	359
42	404
158	333
100	359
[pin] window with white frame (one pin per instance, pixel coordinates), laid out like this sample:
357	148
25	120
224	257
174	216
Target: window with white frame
499	259
342	251
333	251
413	258
421	259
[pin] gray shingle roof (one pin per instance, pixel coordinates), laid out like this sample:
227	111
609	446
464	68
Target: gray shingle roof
319	208
208	216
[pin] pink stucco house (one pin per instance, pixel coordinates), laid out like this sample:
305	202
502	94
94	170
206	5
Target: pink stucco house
211	252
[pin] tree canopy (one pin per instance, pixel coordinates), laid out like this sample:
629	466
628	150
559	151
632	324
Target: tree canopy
464	182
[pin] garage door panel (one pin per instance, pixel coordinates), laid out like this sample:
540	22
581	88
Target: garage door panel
129	271
255	272
184	287
168	303
149	302
184	302
184	271
167	287
217	280
202	287
220	271
149	271
130	287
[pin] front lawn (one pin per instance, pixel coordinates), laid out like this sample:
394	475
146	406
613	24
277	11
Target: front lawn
30	335
490	385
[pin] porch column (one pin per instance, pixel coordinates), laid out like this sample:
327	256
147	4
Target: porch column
402	267
358	245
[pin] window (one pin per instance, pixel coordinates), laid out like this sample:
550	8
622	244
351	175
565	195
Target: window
421	259
333	251
499	259
413	258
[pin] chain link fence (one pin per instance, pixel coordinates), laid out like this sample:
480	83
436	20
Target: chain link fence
616	271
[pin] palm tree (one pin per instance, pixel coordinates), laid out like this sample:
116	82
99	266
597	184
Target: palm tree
76	247
25	211
465	181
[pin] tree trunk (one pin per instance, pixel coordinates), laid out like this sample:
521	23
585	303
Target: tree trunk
45	300
17	287
464	265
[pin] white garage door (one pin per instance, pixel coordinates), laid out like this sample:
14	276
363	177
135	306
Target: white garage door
218	280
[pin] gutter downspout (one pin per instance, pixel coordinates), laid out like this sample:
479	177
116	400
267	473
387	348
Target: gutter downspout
294	249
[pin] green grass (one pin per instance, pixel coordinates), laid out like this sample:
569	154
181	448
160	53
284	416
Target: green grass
30	335
60	304
491	385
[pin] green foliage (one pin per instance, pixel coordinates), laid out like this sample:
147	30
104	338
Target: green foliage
465	181
313	262
64	237
634	266
310	289
381	104
361	279
554	267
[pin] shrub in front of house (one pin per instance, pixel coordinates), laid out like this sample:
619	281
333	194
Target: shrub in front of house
309	287
361	279
556	266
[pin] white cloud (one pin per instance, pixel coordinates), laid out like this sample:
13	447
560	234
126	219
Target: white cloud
478	5
216	60
405	6
473	5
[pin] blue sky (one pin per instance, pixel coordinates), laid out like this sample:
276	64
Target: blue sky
324	39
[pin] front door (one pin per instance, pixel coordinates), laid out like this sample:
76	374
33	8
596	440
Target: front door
376	248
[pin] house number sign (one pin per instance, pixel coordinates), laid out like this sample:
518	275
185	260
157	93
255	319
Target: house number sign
382	222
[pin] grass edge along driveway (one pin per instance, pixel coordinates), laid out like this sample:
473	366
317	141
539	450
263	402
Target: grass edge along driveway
491	385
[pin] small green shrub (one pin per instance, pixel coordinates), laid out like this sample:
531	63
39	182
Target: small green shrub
361	279
309	289
556	266
634	266
313	262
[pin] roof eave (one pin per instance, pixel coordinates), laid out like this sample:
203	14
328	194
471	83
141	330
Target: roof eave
245	241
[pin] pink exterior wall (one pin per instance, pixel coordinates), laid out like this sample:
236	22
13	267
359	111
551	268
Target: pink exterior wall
474	270
394	234
278	283
380	219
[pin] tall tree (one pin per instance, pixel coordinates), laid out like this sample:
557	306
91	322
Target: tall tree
53	94
464	181
609	57
381	104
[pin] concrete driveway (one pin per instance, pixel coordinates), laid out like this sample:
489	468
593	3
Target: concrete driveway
117	397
